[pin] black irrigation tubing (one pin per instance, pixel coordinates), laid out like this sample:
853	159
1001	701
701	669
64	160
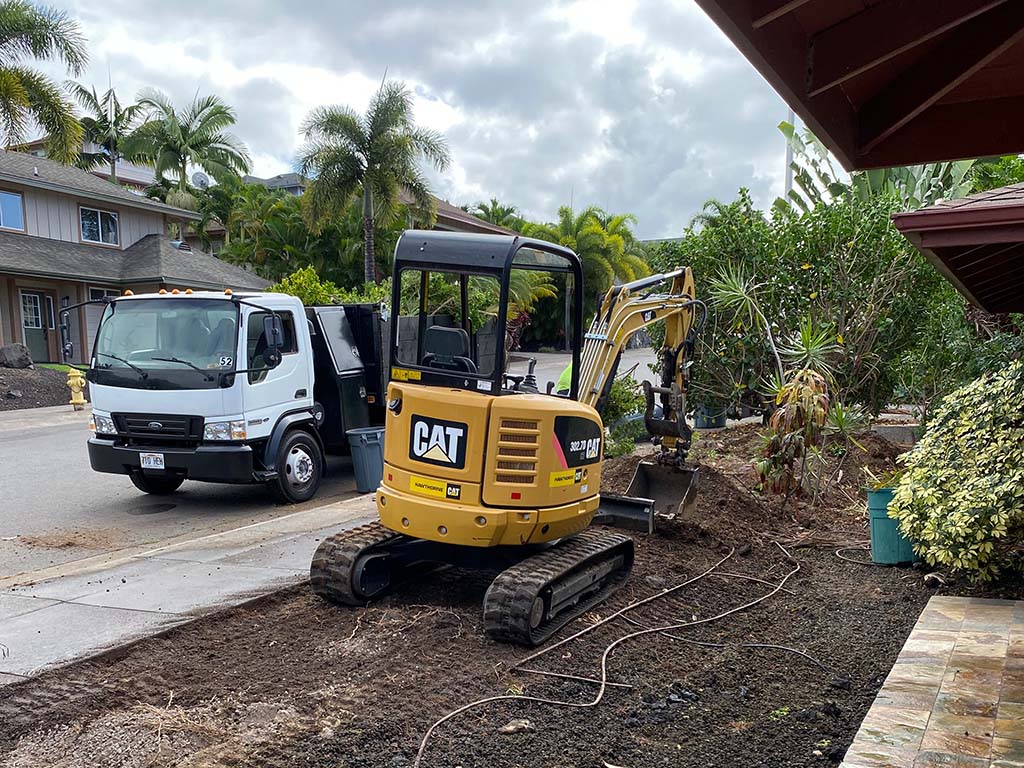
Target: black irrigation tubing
841	556
608	650
707	644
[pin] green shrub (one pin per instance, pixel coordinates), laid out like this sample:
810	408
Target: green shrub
624	399
961	499
306	285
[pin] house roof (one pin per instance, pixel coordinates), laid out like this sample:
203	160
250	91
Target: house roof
39	172
451	217
891	82
281	181
977	242
151	259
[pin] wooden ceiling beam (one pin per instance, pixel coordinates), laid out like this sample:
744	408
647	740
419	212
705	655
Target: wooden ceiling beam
764	12
879	33
971	47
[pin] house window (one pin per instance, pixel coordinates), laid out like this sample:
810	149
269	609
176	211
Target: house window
99	226
12	215
98	294
51	316
31	311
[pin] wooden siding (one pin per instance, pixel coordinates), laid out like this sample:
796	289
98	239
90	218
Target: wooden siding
53	215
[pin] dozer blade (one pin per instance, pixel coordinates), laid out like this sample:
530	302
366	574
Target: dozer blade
656	489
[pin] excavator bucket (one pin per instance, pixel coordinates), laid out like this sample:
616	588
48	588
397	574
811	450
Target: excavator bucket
656	489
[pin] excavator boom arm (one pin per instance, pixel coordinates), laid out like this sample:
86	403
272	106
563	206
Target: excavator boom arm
627	309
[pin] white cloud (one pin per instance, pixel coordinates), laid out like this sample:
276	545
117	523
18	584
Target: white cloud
636	106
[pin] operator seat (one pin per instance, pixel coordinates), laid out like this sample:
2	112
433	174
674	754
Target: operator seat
221	338
447	349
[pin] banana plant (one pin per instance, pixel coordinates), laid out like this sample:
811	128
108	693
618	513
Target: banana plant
817	181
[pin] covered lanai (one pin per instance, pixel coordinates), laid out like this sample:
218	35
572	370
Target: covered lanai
901	82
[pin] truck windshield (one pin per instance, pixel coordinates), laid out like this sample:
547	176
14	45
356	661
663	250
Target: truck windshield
166	343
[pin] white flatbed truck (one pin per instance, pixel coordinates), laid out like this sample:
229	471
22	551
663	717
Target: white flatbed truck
230	388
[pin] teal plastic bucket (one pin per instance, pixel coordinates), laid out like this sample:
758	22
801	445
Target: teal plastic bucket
705	418
888	546
367	446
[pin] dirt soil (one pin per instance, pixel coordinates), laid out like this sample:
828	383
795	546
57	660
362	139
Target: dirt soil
33	388
293	681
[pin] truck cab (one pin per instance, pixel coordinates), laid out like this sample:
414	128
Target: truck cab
216	387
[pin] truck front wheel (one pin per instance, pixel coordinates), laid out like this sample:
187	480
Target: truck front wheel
300	467
158	486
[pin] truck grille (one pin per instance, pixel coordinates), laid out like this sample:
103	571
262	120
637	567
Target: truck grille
155	429
518	443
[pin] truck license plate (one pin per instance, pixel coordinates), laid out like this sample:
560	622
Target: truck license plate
151	460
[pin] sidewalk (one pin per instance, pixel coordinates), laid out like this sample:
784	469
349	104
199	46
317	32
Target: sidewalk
54	416
86	611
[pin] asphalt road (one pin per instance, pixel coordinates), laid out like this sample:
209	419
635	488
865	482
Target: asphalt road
54	509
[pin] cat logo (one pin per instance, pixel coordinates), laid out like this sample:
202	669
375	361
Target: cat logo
437	441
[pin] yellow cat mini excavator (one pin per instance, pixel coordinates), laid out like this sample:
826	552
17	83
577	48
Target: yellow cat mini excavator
484	470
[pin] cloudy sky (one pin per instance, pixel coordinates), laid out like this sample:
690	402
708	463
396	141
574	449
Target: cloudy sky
640	106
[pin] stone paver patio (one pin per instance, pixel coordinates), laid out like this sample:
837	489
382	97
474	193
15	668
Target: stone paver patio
955	697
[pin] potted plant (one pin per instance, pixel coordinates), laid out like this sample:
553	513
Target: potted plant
888	545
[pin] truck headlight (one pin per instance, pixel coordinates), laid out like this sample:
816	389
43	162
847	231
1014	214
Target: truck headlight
224	430
102	425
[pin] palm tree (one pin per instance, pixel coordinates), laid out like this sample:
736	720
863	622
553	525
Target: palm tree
375	155
27	96
604	243
108	125
499	213
172	140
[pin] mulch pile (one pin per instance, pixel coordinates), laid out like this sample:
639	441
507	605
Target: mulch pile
291	680
32	388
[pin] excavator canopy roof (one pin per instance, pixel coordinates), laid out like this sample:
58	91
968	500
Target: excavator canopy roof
469	252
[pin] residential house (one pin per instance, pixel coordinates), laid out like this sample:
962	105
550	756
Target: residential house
131	175
292	183
68	236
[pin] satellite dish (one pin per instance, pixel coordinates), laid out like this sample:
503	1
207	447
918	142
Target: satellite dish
200	180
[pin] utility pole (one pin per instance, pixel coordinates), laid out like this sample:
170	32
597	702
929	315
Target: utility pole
789	156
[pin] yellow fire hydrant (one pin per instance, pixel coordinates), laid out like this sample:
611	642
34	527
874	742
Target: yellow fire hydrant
76	383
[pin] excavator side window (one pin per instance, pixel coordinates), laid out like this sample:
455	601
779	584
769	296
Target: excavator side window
448	322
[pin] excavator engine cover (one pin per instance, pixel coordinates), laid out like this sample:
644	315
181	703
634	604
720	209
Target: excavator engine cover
656	489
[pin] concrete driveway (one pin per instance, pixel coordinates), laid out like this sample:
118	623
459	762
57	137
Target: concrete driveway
55	509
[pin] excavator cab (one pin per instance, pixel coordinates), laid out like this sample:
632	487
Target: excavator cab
454	294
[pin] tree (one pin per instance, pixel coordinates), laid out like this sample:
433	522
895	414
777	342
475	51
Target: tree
108	125
498	213
375	156
994	172
26	95
604	243
172	140
267	231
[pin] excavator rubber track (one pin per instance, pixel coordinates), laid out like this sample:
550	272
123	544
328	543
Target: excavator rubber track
530	601
336	564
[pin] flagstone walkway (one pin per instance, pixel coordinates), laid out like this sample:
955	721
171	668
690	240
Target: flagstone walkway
955	697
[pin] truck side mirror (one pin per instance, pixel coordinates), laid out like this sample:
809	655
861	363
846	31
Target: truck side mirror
273	331
67	347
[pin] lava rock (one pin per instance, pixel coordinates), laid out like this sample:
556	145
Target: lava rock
14	394
840	682
15	356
